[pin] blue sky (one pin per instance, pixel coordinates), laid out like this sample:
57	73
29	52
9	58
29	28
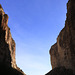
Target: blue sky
35	25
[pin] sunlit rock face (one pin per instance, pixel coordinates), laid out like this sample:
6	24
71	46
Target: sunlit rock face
62	53
7	44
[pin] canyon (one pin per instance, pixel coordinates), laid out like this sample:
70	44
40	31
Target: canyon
62	53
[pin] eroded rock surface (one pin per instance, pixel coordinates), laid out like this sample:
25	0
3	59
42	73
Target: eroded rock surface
7	44
63	52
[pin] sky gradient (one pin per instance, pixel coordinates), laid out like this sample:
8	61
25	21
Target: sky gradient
35	25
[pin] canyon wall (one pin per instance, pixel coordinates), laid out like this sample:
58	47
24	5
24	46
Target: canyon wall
62	53
7	44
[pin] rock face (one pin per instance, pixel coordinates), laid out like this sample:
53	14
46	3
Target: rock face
63	51
60	71
7	44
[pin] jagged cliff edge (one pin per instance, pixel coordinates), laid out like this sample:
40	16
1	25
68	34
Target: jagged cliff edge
62	53
7	44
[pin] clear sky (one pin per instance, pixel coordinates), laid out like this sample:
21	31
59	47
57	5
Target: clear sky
35	25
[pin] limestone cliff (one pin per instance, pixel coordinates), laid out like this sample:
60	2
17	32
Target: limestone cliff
63	51
7	44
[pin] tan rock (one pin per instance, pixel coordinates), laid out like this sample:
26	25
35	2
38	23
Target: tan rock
63	52
7	44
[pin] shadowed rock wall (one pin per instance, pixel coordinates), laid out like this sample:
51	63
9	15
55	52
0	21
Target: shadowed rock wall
60	71
63	52
7	48
7	44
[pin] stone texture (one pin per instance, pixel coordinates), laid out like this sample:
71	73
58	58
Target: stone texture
63	52
7	44
60	71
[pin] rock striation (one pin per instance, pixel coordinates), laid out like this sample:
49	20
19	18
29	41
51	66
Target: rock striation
7	44
62	53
